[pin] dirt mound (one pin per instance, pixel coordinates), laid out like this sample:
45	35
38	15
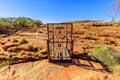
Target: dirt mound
43	70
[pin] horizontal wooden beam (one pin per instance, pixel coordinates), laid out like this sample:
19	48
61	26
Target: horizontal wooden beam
60	42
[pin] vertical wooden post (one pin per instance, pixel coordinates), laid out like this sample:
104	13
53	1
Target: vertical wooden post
71	41
72	47
66	38
71	30
48	50
48	43
53	38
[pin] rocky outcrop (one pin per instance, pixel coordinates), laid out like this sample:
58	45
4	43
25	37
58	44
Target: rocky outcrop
43	70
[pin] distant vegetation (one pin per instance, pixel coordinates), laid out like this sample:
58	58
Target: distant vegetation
84	21
12	24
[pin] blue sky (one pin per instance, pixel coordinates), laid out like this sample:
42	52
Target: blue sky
56	10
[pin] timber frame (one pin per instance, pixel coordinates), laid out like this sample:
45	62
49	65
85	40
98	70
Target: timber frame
60	42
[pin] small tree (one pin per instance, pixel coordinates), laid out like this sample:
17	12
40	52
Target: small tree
114	10
38	22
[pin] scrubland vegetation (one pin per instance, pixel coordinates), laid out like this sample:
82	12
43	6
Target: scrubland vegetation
90	32
12	24
108	57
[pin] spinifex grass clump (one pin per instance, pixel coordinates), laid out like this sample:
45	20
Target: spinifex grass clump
107	56
14	40
4	63
116	69
9	61
30	47
23	41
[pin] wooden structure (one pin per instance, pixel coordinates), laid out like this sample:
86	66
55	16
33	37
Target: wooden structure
60	42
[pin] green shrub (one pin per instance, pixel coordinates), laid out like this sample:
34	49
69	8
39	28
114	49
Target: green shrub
116	69
108	57
40	32
38	49
117	56
30	47
4	63
14	40
13	54
105	55
8	39
23	41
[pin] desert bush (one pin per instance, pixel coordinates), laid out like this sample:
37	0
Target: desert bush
8	39
38	49
14	40
105	55
4	63
108	57
87	37
116	69
23	41
12	54
117	56
30	47
11	25
40	32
